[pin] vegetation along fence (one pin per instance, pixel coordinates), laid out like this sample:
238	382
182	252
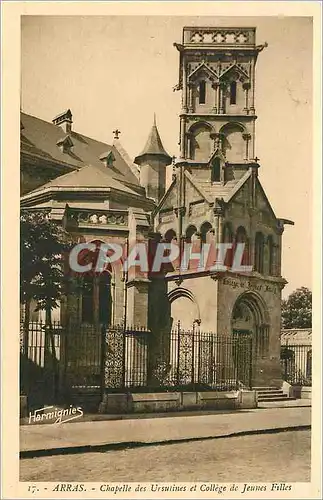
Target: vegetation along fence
296	364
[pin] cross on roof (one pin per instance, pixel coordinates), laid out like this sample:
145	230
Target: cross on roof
116	133
256	159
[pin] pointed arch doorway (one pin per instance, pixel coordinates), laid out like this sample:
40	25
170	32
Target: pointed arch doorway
250	329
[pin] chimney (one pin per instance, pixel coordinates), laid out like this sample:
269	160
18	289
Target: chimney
64	120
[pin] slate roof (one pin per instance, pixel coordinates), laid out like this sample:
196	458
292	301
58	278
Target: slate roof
154	145
218	190
39	139
88	177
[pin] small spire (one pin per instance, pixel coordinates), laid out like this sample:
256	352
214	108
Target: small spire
154	145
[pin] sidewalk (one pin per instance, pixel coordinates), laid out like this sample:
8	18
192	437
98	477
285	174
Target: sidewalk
53	439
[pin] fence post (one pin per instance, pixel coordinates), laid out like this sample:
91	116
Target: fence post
250	362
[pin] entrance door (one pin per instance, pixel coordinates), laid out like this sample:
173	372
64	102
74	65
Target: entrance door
242	355
243	327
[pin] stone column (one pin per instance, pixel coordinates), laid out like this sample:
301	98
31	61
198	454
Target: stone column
191	98
183	151
246	138
184	103
221	98
215	86
246	87
252	107
188	148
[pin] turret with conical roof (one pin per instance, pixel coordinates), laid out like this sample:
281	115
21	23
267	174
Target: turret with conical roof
153	161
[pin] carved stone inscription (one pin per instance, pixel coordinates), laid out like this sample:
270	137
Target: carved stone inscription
250	285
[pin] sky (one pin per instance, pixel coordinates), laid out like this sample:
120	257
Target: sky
117	71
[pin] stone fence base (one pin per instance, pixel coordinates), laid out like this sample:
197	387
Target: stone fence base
302	392
297	391
177	401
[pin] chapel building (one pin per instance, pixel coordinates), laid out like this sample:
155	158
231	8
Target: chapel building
215	196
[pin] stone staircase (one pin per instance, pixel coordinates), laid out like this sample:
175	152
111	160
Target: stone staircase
266	394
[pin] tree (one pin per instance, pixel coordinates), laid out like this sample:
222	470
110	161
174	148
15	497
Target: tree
42	247
297	309
43	244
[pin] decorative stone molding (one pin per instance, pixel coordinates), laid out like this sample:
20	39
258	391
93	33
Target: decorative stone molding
219	36
99	217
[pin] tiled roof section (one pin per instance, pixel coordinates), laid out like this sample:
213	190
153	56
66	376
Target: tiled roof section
218	190
40	138
296	336
88	177
154	145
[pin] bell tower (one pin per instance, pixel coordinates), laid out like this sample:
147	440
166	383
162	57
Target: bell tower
217	80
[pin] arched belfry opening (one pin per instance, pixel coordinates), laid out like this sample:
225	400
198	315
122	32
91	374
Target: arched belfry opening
233	143
200	142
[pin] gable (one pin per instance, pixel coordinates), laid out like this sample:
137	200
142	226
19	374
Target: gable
169	200
241	203
203	71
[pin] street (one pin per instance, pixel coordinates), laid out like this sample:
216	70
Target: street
280	457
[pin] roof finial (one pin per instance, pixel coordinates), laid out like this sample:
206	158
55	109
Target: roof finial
155	120
116	133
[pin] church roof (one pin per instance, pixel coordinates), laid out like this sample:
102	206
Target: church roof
154	145
88	177
40	139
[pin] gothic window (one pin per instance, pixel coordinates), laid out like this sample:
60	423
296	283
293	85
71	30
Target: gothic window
190	231
87	299
216	170
96	289
105	298
228	238
233	92
202	92
191	238
205	239
170	235
241	237
259	253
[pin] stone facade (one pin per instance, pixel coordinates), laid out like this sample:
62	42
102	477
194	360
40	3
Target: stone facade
100	195
216	196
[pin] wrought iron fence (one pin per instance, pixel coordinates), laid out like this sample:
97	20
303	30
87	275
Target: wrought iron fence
176	360
97	357
40	357
39	341
296	363
83	356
